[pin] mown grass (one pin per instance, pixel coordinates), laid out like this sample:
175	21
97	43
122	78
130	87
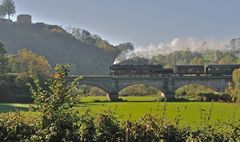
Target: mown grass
190	113
124	98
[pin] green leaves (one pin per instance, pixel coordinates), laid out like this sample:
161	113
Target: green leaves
55	101
234	87
3	61
31	64
7	8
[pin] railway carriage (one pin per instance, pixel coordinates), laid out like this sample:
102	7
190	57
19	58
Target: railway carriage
136	70
189	70
221	70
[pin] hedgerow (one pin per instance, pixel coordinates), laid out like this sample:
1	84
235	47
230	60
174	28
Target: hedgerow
105	127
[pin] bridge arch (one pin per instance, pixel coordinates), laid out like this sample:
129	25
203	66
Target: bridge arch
142	87
138	83
218	85
109	95
95	85
197	92
156	82
199	84
89	90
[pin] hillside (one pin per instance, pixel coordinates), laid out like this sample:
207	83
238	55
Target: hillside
57	45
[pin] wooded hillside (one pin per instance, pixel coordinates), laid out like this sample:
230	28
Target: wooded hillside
59	46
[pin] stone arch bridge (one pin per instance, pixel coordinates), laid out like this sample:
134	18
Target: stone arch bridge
168	85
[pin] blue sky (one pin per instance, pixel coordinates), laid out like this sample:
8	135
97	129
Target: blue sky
141	22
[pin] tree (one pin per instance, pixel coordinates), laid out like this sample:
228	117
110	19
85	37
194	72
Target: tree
198	60
2	11
7	8
30	64
90	39
83	35
234	87
227	58
180	57
238	61
3	60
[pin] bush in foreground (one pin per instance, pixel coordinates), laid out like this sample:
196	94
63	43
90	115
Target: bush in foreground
105	127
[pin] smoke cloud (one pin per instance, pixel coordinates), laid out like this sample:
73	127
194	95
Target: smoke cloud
177	44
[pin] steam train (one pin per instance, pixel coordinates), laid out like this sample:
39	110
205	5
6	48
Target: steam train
177	70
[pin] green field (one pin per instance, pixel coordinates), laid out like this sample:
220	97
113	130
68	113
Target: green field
191	113
128	98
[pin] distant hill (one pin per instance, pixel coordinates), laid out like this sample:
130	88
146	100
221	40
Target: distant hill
58	46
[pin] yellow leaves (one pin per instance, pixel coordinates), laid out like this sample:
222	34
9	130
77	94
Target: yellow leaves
32	63
236	76
57	76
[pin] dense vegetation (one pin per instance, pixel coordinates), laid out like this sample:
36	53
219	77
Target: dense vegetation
17	70
105	127
3	61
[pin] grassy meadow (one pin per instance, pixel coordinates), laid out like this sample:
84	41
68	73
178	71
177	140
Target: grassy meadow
191	113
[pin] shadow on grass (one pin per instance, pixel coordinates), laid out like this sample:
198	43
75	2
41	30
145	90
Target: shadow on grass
85	104
135	101
12	108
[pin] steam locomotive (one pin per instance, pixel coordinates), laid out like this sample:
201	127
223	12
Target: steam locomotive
177	70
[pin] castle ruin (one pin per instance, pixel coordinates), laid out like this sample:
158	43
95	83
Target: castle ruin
24	19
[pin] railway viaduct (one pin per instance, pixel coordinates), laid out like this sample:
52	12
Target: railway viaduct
168	85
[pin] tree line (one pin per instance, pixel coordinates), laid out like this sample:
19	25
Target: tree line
95	40
186	57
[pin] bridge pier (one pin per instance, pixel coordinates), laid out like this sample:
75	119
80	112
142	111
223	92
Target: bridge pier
170	95
113	96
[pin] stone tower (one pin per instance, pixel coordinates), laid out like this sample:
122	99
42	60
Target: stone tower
24	19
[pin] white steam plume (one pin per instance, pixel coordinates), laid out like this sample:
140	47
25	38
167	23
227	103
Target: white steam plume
192	44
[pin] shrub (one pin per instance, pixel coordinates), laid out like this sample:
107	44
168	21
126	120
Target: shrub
107	128
154	128
55	102
216	132
85	128
13	127
208	97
